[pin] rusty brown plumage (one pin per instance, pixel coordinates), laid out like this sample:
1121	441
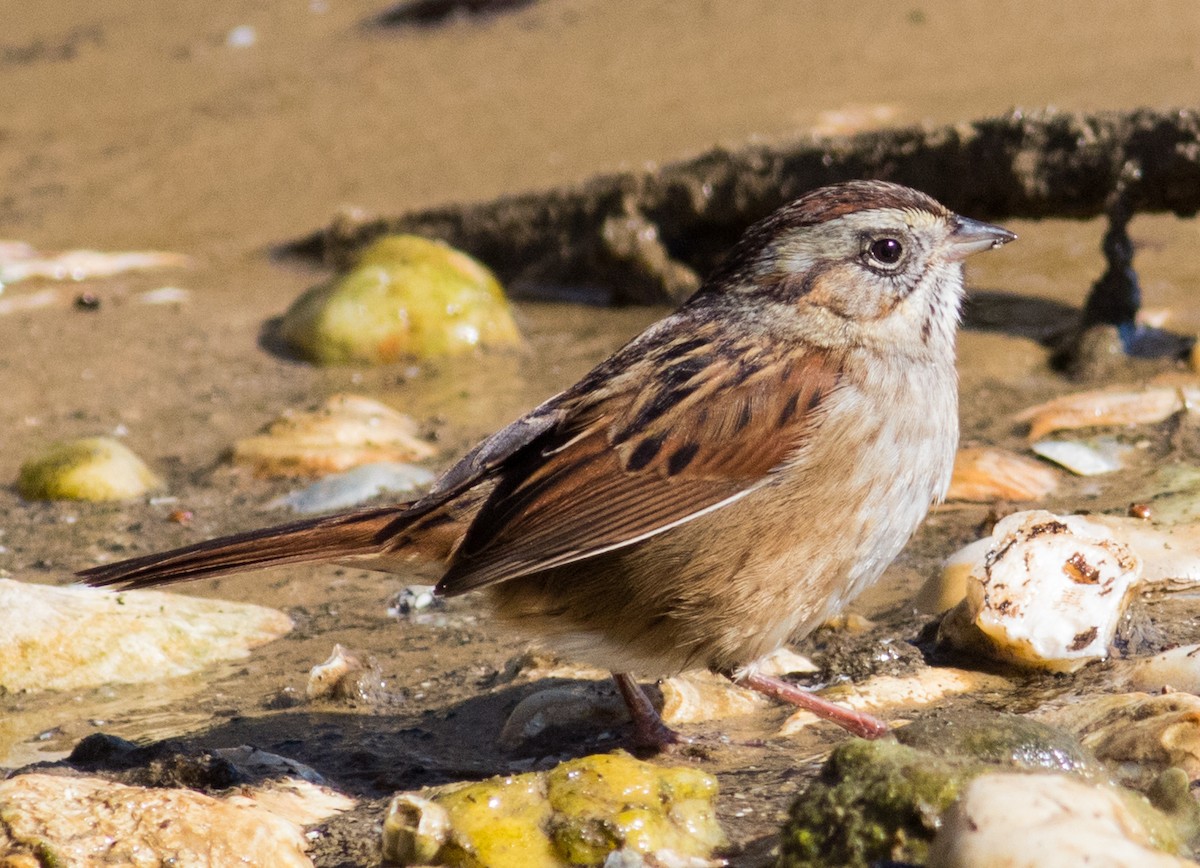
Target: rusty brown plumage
723	482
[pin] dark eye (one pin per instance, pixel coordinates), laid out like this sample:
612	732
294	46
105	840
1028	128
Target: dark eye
886	250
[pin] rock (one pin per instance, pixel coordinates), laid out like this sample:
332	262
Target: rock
1139	735
578	813
996	738
68	638
407	297
884	801
560	707
986	473
346	431
94	468
1048	594
66	820
1046	821
355	486
874	801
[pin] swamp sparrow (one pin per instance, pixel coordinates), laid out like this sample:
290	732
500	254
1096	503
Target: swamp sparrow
725	482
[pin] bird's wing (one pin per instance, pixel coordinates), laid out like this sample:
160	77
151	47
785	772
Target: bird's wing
640	454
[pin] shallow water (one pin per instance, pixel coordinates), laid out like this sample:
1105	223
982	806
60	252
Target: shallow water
139	127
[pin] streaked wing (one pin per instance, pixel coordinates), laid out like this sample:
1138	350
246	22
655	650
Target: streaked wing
624	465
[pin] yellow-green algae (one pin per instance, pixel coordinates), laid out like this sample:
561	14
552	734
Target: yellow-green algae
881	801
94	469
575	814
407	297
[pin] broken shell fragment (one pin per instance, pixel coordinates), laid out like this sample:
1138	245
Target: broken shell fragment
700	696
985	473
1174	669
407	297
1108	408
1084	458
1169	552
346	431
343	676
1047	594
93	469
20	261
882	694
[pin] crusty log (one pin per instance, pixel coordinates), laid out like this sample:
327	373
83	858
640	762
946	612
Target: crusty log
646	236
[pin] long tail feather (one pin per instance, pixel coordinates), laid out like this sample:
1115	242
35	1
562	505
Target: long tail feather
329	538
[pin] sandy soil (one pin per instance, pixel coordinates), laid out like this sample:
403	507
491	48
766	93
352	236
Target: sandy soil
138	125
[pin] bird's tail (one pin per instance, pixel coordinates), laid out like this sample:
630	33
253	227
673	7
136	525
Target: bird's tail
346	536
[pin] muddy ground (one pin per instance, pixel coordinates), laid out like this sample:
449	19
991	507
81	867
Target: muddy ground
139	125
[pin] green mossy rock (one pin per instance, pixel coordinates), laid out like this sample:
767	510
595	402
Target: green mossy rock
94	469
406	298
883	800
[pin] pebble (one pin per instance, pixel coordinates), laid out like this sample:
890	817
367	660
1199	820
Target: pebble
354	487
93	469
406	298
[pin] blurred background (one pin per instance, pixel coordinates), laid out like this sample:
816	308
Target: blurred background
225	126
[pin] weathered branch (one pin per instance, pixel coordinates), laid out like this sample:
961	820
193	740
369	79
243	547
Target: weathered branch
646	236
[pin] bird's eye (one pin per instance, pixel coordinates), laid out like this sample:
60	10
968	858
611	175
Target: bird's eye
886	251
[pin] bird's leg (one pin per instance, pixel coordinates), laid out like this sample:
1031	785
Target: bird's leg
649	730
855	722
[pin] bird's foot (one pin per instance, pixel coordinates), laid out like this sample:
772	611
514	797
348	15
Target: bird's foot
650	732
855	722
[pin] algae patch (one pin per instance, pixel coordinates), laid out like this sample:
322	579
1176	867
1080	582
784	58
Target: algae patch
576	813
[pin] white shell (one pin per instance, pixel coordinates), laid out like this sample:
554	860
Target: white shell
1048	593
1043	821
1084	458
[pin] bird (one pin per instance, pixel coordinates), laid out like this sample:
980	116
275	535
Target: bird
722	484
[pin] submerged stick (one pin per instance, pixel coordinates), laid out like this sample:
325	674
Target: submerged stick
647	236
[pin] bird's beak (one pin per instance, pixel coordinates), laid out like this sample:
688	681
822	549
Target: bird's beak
971	236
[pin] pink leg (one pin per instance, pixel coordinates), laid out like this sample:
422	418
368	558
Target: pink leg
649	730
855	722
